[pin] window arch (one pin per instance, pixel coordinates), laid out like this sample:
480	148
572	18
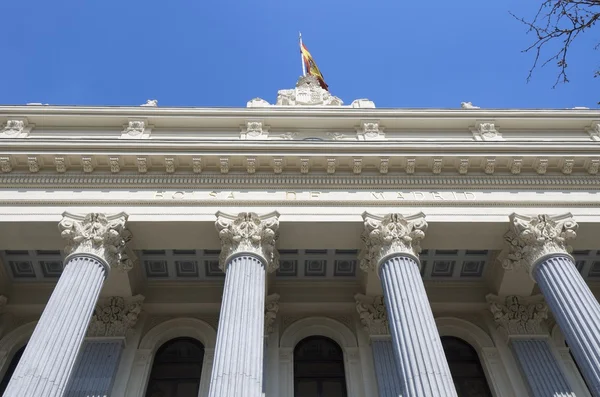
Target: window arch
177	369
319	368
11	369
465	367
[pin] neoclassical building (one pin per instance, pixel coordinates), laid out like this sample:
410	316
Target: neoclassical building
304	248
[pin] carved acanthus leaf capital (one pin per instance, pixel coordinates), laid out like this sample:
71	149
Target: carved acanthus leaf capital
531	238
271	309
115	316
391	234
248	232
372	313
100	235
519	315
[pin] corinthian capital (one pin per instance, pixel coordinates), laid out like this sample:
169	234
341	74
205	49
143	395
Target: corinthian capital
519	315
391	234
532	238
249	233
271	309
373	315
115	316
100	235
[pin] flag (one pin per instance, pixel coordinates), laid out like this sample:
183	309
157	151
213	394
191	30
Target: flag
311	66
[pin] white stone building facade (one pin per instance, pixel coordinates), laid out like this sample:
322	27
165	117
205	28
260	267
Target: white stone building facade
299	249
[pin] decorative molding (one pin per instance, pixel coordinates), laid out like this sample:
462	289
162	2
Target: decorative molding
384	165
115	316
308	92
288	136
335	136
390	234
531	238
541	166
436	166
61	165
516	165
304	166
33	163
278	165
519	315
594	131
197	165
410	165
271	310
248	232
463	166
136	129
5	164
251	165
331	166
486	130
255	130
592	166
373	314
87	164
224	165
115	166
357	165
169	165
567	166
16	128
100	235
489	166
370	130
142	165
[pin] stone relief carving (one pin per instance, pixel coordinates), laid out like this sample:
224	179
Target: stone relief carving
308	92
142	165
490	166
97	234
197	165
373	314
248	232
468	105
515	167
330	166
169	165
271	309
486	131
15	128
5	164
567	167
255	130
362	103
150	103
592	166
33	164
61	165
288	136
251	165
530	238
278	165
594	130
136	129
224	165
541	166
370	130
463	166
115	167
410	165
392	233
115	316
87	164
304	166
335	136
519	315
384	166
436	167
357	166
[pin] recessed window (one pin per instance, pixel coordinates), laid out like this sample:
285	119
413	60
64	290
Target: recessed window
319	368
465	367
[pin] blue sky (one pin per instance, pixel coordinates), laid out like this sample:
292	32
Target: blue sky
432	53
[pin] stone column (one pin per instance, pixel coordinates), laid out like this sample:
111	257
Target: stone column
373	317
247	252
96	367
521	322
392	246
539	244
95	243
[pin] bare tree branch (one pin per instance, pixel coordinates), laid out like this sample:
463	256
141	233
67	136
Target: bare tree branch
559	21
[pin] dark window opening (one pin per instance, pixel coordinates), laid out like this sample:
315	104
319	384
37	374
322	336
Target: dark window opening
11	369
319	368
465	367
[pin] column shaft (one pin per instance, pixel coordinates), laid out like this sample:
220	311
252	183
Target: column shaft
238	365
576	311
423	367
50	355
386	369
541	369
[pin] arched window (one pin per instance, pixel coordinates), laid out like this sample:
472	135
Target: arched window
11	369
465	368
176	369
319	368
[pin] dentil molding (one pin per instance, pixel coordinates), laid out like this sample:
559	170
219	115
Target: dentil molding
519	315
390	234
532	238
115	316
97	234
271	310
373	314
248	232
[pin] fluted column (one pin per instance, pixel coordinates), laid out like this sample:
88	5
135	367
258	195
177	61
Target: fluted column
392	245
521	321
373	317
247	252
539	243
95	242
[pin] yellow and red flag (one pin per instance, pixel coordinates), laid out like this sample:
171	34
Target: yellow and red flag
311	66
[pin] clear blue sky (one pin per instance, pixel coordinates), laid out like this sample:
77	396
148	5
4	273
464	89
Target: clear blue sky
433	53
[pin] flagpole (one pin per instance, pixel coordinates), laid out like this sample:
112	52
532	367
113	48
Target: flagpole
302	56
